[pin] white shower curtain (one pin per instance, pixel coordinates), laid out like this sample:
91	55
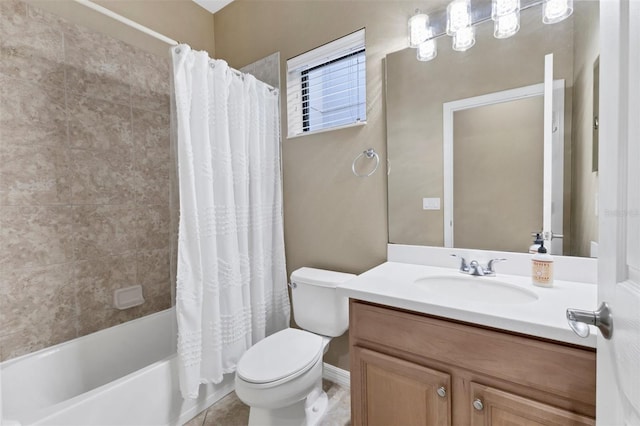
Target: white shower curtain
231	276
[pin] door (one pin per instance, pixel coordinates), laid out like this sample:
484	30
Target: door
618	368
494	407
391	391
485	128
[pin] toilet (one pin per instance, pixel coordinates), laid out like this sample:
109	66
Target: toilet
280	377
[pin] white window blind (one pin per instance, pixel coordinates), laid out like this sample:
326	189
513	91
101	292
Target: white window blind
326	87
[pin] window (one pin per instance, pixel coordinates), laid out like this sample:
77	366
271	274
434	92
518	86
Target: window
326	87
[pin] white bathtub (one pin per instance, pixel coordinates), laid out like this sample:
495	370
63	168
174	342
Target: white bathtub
124	375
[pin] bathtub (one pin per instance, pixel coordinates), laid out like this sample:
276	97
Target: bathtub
124	375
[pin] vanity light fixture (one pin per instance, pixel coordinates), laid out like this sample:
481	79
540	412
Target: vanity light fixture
507	25
421	36
504	7
459	25
464	39
427	50
459	20
458	16
556	10
419	30
506	17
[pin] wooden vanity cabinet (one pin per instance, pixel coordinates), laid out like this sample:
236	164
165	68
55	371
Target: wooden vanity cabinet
505	408
409	368
399	392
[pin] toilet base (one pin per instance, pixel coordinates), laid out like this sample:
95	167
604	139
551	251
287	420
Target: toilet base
306	412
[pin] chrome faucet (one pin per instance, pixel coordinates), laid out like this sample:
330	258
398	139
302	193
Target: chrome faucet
464	268
474	268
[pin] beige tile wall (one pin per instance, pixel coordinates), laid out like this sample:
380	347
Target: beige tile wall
84	179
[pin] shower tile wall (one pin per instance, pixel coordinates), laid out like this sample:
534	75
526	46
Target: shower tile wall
84	179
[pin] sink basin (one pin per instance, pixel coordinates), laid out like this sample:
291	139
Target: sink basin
475	289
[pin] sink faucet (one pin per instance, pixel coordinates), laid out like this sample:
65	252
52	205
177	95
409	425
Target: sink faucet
474	268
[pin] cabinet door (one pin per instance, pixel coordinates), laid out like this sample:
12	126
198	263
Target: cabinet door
389	391
493	407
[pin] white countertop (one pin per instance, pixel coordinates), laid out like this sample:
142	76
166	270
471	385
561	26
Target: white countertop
392	284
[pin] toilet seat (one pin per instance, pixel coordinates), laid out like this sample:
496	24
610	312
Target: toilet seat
285	354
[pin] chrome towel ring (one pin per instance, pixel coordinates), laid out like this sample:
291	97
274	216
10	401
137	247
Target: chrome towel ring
369	153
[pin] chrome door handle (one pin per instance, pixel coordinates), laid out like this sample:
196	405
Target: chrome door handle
580	320
549	236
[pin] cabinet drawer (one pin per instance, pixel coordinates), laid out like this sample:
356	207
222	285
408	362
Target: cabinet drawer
560	370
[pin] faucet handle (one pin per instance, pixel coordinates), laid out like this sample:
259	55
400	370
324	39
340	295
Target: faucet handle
489	269
463	263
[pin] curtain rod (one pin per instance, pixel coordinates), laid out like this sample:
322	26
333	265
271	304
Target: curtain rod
127	21
139	27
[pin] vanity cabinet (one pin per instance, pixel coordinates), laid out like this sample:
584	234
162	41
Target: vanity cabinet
496	407
399	392
409	368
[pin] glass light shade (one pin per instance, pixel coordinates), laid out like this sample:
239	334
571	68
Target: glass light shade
507	25
464	39
556	10
458	16
418	29
501	8
427	50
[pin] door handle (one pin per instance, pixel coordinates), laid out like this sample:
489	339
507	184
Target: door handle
550	236
580	320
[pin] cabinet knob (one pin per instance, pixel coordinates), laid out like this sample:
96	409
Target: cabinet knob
478	405
442	391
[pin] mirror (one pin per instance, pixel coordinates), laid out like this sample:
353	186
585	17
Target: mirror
417	93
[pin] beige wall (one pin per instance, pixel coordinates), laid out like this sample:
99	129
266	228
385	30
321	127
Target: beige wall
584	225
181	20
333	219
416	92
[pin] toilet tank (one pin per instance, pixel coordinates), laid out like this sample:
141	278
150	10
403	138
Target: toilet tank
316	305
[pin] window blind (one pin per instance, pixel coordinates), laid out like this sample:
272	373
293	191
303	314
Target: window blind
326	87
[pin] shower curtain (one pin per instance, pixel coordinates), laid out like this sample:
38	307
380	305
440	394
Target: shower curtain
231	286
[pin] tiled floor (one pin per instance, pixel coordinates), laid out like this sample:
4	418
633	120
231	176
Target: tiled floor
230	411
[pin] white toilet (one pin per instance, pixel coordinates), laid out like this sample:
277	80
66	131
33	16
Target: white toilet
280	377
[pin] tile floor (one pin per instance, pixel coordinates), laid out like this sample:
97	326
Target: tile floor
230	411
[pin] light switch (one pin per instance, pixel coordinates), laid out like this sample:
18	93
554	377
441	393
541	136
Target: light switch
431	204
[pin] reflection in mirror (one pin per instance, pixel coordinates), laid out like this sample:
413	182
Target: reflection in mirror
416	95
496	148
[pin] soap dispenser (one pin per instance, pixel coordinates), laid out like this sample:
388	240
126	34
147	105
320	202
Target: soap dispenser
542	267
533	249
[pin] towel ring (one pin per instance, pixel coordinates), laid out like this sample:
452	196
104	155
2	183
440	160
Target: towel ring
369	153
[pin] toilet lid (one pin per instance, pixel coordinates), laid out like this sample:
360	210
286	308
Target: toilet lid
280	355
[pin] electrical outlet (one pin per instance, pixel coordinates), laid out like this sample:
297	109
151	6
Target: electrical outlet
431	204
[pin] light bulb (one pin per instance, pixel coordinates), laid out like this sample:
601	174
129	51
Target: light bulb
427	50
501	8
507	25
464	39
556	10
458	16
418	29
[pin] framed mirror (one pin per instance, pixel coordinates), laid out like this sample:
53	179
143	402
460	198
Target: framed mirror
417	93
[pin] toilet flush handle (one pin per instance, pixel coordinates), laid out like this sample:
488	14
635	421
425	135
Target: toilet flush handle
292	285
